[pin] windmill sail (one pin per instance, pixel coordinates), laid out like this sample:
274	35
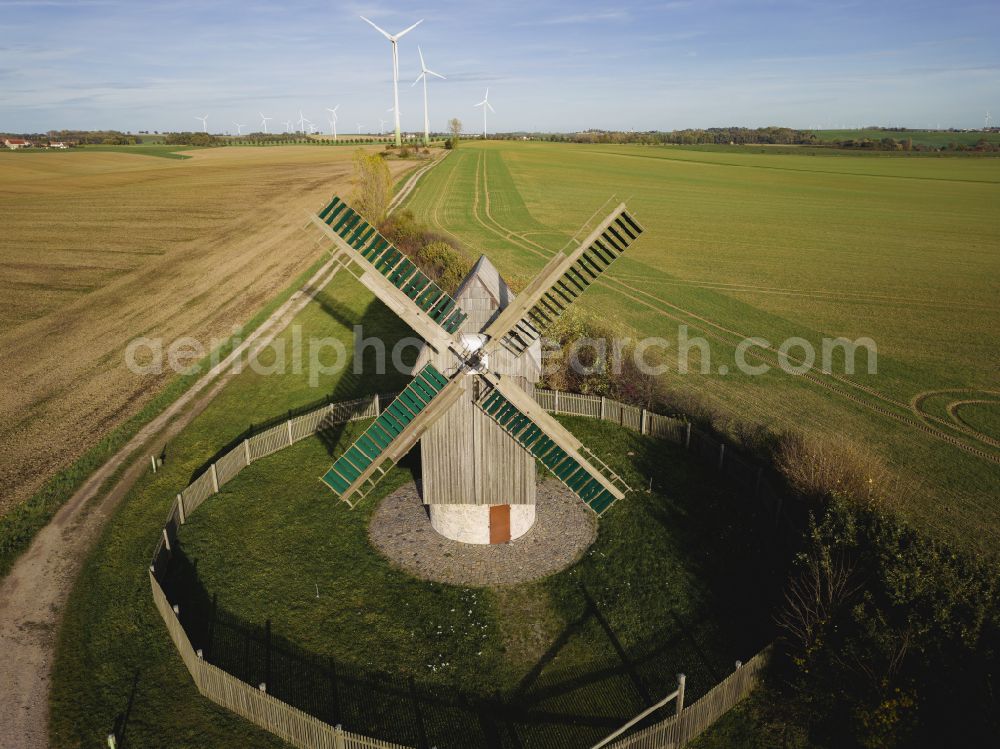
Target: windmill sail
545	438
562	281
392	434
424	305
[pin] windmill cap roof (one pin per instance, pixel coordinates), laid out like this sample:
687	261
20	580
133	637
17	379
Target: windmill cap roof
486	273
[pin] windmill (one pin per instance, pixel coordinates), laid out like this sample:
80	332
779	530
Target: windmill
484	104
288	126
333	120
302	121
239	128
381	126
359	128
204	122
264	121
424	71
394	39
469	403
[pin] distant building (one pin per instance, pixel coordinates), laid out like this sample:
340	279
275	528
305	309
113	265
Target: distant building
15	143
59	145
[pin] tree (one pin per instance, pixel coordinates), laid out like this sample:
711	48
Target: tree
372	186
455	128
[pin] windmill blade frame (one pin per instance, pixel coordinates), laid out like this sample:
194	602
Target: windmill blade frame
537	432
426	398
563	279
392	276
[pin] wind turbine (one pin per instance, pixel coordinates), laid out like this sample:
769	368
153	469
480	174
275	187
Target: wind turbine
381	126
288	126
204	122
333	120
393	38
302	121
263	121
239	128
988	118
359	128
484	104
424	70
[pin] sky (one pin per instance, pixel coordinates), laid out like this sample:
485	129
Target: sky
136	65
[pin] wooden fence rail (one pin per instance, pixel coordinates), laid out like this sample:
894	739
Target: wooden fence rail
303	730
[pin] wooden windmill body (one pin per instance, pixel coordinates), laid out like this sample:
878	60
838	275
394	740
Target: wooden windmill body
470	402
478	483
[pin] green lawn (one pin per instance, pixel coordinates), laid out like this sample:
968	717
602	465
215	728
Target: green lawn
772	245
673	584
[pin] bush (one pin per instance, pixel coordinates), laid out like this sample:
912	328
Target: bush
372	185
890	638
439	257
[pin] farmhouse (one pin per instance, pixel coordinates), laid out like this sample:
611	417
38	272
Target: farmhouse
15	143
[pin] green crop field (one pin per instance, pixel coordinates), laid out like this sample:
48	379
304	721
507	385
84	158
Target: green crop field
674	583
903	251
936	138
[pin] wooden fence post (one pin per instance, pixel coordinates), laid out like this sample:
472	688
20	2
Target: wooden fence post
722	455
289	425
378	405
338	737
557	403
152	459
681	722
180	509
215	479
166	539
604	404
687	437
246	450
642	422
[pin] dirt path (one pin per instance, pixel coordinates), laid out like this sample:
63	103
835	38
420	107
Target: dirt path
411	183
32	596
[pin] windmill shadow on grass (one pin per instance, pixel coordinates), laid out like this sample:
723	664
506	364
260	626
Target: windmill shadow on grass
575	705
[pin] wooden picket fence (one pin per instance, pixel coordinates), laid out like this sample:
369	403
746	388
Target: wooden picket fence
693	720
303	730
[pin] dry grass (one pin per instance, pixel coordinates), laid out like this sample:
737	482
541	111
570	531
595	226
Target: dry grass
821	468
99	248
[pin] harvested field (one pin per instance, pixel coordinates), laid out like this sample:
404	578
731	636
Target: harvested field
99	248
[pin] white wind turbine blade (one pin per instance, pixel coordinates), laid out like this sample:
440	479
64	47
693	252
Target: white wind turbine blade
419	77
405	31
423	65
436	74
490	106
382	31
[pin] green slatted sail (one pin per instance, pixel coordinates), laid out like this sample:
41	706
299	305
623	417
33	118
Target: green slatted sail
603	251
531	437
393	264
371	446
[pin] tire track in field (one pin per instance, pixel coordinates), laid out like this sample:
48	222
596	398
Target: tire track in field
916	405
758	353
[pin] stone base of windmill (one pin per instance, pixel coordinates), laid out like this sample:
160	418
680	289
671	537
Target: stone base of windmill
402	530
482	524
